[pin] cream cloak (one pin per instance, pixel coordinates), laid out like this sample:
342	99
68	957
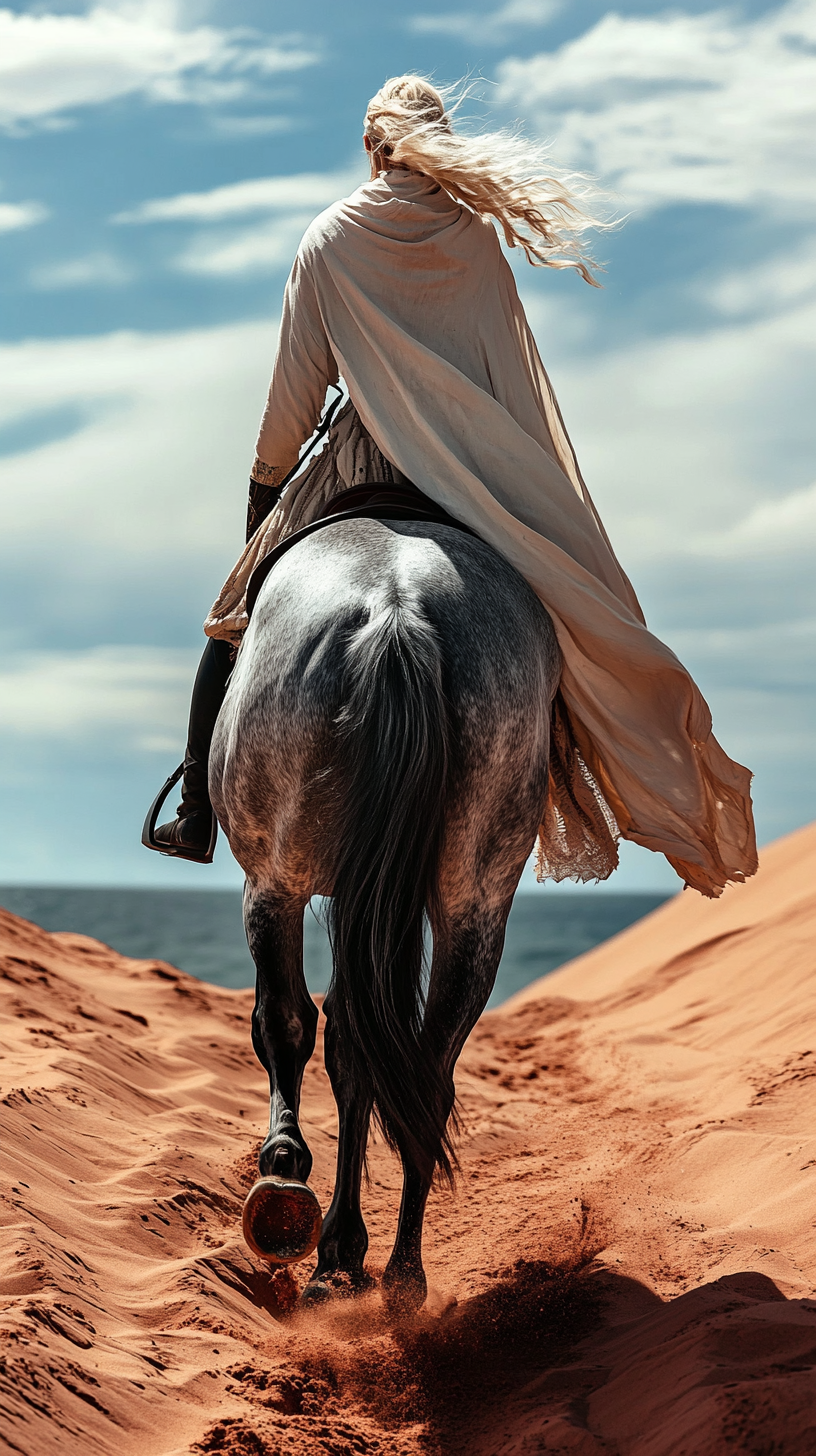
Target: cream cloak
407	295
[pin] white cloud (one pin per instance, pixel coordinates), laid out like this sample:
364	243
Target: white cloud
139	694
309	190
490	27
53	63
783	527
695	444
778	281
16	215
680	107
289	202
159	479
261	249
95	270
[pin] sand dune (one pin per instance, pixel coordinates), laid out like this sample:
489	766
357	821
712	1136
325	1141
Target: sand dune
631	1247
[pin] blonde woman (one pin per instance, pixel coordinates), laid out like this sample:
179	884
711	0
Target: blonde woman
402	291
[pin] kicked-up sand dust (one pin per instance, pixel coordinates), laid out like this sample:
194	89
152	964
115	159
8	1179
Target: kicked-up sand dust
628	1264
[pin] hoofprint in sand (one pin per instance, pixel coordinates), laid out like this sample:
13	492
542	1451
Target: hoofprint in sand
631	1248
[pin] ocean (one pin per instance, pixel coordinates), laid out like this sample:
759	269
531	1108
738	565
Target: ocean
202	931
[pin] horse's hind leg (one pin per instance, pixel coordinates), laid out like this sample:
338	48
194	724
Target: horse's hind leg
284	1024
344	1239
467	951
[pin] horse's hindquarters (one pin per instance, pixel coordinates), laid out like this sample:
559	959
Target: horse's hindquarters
275	780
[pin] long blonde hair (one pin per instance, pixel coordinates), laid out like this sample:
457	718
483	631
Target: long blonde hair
496	174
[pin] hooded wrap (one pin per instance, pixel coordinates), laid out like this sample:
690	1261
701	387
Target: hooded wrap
406	294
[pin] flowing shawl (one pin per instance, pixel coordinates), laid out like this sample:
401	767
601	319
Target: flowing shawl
406	294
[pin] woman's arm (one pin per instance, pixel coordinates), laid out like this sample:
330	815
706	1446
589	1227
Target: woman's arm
264	494
304	369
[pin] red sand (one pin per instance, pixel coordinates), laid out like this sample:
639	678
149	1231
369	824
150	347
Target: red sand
631	1245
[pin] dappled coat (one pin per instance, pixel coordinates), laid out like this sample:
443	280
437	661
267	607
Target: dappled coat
406	295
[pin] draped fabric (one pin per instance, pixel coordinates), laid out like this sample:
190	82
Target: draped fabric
407	296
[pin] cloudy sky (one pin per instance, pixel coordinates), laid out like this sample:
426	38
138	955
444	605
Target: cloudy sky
159	164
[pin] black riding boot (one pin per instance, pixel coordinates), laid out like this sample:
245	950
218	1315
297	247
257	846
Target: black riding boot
188	836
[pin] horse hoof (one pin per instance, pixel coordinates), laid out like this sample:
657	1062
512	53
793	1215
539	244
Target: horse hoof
281	1220
337	1284
316	1292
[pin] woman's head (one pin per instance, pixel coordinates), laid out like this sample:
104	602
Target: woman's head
400	107
497	174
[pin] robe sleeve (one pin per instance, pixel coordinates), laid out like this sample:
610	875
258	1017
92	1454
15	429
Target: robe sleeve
304	368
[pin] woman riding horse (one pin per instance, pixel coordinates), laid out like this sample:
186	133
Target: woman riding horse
413	703
402	289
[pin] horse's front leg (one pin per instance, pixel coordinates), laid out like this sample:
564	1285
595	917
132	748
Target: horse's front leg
284	1024
344	1239
467	951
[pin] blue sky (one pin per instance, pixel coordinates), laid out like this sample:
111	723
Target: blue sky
159	164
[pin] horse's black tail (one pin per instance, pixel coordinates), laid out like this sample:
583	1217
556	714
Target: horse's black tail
393	759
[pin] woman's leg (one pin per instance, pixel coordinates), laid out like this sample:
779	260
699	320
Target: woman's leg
192	827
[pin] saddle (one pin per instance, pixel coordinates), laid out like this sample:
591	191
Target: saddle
378	501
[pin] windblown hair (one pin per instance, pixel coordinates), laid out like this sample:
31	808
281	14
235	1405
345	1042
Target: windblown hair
496	174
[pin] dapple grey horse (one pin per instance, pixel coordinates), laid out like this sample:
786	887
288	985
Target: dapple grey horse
384	741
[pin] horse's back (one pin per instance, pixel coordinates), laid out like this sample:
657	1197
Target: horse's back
275	742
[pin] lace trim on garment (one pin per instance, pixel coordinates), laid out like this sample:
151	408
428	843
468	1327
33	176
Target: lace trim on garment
266	474
578	836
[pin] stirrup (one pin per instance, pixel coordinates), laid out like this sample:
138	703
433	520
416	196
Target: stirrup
180	851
